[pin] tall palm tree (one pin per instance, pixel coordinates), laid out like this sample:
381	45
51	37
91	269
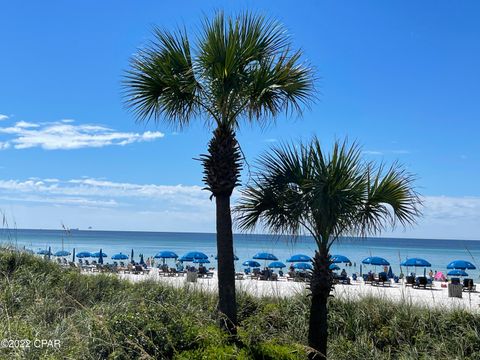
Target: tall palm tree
301	189
242	68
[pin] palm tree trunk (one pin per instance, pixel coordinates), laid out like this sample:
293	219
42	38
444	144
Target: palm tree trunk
226	270
222	167
320	287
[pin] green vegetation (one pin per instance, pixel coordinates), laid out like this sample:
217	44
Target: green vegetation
102	317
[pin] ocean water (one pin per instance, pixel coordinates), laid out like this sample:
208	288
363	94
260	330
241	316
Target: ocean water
438	252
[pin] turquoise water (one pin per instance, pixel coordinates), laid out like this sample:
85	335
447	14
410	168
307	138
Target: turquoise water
438	252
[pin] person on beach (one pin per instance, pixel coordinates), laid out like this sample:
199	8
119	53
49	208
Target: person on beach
343	273
430	274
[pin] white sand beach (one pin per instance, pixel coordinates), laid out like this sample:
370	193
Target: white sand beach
436	297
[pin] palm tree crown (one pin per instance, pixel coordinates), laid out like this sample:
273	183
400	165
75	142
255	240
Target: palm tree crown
328	195
241	68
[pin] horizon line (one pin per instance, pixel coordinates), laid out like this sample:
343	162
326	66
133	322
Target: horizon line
235	233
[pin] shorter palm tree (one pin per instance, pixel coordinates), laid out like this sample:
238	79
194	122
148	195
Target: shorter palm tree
300	189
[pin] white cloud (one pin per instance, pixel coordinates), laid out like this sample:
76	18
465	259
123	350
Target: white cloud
35	189
105	204
372	152
447	217
3	117
66	136
4	145
452	208
386	152
24	124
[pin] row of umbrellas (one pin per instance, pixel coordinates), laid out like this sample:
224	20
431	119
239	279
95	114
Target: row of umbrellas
301	261
456	267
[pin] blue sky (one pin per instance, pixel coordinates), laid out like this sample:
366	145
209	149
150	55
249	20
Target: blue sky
401	78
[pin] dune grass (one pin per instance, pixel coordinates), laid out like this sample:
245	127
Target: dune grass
103	317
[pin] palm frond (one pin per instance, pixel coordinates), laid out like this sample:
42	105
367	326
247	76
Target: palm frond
161	83
249	70
279	84
329	195
276	198
391	198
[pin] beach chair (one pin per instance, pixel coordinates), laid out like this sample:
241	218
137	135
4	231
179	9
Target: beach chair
255	273
455	281
126	269
468	285
172	272
202	271
238	276
264	275
291	275
335	279
368	278
421	282
382	280
138	269
409	281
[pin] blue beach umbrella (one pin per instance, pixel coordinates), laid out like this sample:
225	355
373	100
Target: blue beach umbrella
73	255
43	252
334	267
457	272
120	256
201	261
277	265
337	259
192	255
299	258
166	254
376	261
141	260
265	256
131	257
99	254
461	264
83	254
251	263
303	266
62	253
416	262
